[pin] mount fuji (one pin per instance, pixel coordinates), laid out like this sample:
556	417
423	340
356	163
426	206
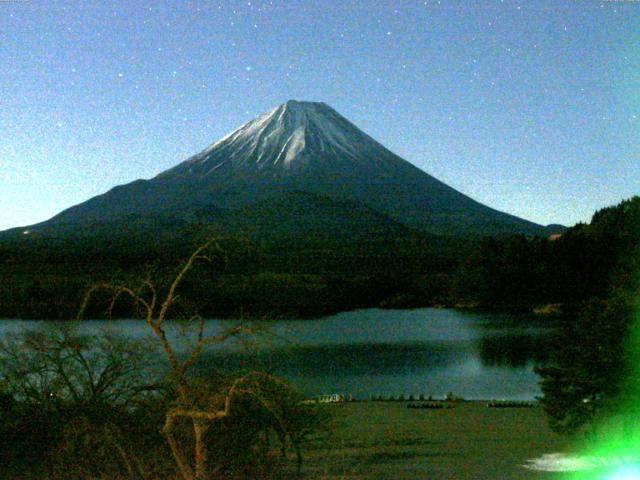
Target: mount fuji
305	151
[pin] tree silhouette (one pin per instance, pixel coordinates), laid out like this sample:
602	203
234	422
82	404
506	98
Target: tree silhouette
263	396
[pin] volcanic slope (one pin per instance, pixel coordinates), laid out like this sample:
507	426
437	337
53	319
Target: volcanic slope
298	147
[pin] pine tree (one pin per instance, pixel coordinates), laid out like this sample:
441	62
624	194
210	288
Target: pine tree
595	368
586	376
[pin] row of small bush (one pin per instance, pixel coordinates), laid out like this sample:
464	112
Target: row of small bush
401	398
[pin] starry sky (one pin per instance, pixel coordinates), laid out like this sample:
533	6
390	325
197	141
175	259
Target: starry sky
531	107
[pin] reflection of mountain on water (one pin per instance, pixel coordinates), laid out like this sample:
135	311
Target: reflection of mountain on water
347	359
514	350
510	350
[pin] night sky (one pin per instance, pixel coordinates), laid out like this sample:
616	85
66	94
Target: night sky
531	107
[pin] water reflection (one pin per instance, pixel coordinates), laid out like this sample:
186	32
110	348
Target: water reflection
486	367
344	359
514	350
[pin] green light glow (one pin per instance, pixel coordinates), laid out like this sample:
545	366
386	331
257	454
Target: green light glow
618	444
629	472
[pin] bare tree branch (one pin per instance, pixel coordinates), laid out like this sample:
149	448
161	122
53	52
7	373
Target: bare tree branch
195	256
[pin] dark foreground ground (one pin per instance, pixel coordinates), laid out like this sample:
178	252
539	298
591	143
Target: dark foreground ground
386	440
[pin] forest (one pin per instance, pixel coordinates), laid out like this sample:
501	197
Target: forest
46	278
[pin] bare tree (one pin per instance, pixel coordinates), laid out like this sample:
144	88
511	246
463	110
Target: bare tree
58	363
71	387
200	409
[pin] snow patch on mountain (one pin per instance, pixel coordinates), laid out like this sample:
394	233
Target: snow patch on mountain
293	146
288	137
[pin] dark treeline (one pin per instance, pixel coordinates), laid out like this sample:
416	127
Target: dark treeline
285	276
516	272
281	277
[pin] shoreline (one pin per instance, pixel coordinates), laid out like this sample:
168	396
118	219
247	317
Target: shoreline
548	311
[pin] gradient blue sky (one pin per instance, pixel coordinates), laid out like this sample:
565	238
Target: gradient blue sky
531	107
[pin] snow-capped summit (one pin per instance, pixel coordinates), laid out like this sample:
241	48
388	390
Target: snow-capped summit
284	140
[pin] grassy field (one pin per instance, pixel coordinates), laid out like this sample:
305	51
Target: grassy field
386	440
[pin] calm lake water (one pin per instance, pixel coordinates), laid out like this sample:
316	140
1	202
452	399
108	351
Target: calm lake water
380	352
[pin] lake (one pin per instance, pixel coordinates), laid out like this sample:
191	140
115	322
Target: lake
381	352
